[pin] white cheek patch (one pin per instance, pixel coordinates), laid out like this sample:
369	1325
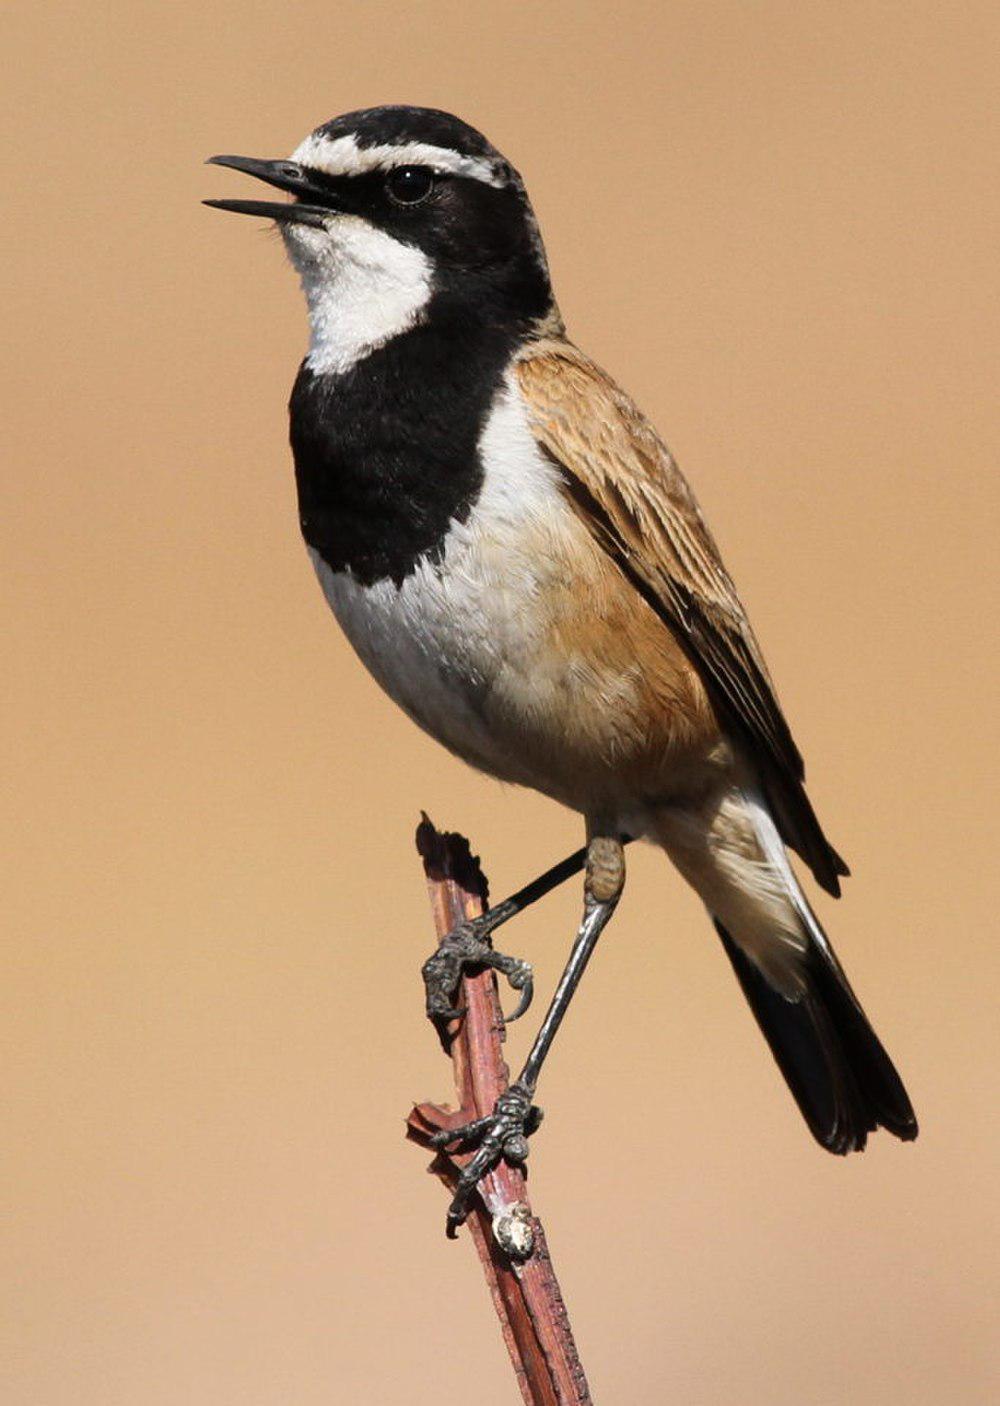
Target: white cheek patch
362	288
341	156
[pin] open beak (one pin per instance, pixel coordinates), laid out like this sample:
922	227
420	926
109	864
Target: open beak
286	175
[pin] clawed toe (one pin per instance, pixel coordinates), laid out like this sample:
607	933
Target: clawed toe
521	978
503	1133
439	1004
468	1133
463	948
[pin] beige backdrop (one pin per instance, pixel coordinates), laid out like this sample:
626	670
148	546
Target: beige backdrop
777	225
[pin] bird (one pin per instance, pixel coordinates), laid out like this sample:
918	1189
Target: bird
515	556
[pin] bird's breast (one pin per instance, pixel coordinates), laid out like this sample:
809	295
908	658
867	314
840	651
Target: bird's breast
518	644
465	628
387	453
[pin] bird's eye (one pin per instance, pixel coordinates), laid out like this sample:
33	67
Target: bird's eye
408	185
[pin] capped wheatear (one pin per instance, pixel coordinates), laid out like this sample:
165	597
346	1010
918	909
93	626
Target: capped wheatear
515	556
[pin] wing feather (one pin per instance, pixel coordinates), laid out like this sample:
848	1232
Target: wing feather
623	482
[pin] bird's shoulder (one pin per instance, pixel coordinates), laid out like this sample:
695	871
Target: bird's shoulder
620	474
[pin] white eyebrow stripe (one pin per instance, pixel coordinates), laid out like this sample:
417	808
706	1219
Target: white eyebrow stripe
341	156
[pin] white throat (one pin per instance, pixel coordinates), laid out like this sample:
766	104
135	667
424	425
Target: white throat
362	288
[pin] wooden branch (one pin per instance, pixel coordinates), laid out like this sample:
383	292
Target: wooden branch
508	1236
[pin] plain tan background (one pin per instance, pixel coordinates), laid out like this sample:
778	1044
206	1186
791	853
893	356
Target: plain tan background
777	224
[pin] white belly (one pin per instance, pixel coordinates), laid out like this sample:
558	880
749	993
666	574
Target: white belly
456	645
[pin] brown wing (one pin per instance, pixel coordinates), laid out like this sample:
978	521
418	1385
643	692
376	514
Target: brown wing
621	479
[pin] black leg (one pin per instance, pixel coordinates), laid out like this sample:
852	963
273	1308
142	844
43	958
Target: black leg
469	945
505	1132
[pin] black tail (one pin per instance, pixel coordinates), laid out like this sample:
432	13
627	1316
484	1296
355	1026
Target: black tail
833	1062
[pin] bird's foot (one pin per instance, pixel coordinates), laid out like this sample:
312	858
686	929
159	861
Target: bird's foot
503	1133
468	945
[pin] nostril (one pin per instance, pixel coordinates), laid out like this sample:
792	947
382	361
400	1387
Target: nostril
290	169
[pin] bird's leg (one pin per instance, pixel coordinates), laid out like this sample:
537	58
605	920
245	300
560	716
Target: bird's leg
505	1132
469	945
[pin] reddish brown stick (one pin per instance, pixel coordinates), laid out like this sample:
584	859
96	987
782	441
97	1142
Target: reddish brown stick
525	1291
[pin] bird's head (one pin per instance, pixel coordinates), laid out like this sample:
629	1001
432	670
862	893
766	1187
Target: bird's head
398	213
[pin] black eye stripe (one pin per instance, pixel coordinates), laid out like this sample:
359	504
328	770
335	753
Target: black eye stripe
365	190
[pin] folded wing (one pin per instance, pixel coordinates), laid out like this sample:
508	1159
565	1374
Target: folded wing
621	479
